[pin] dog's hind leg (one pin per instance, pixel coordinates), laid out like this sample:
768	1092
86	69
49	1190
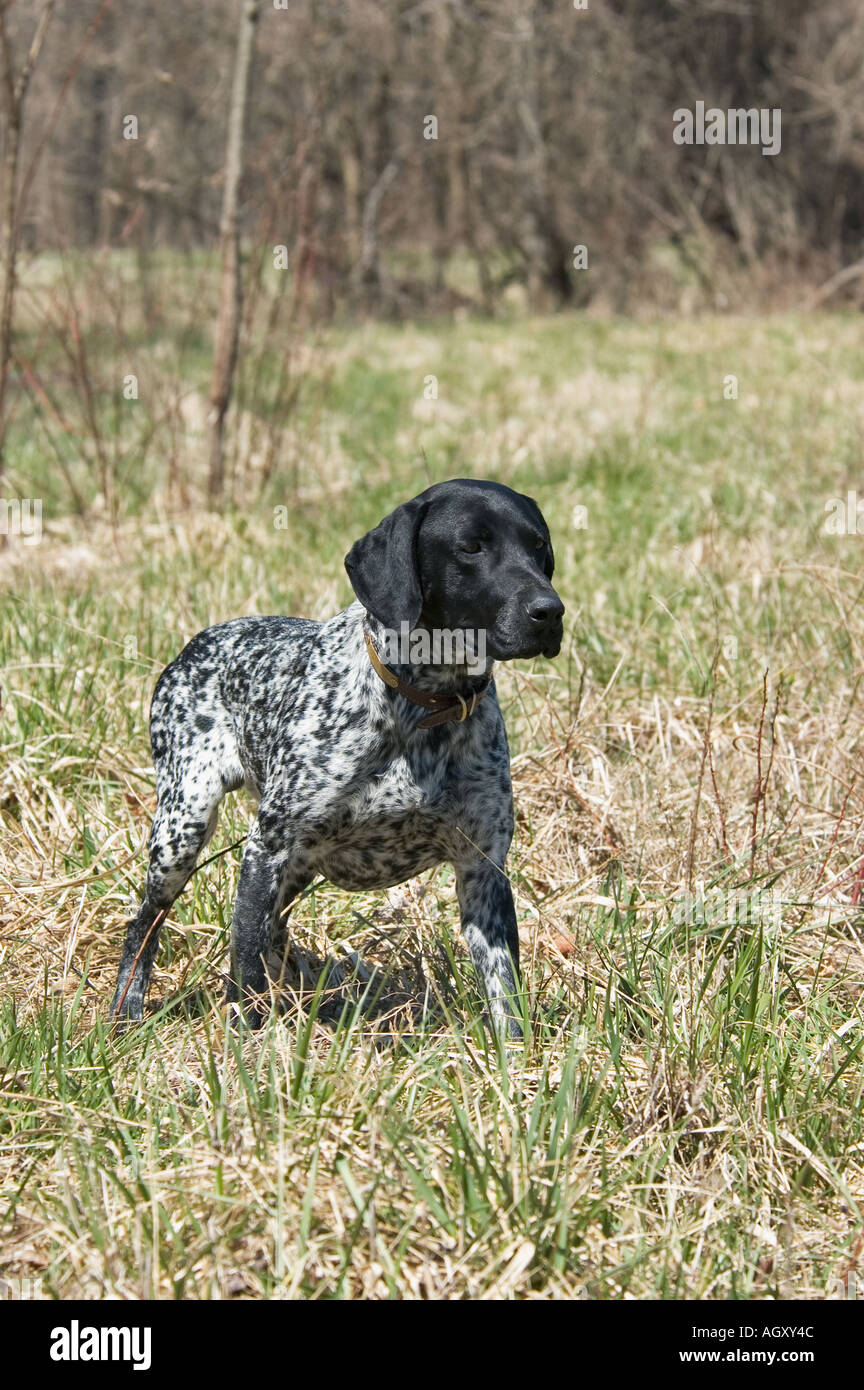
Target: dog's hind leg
184	821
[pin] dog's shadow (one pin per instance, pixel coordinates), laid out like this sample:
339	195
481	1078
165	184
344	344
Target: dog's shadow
389	1000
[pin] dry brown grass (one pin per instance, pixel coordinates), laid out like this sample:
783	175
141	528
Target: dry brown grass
685	1119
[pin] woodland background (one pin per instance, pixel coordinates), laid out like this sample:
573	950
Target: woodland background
207	427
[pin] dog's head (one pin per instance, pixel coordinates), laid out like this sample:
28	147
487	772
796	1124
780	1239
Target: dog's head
469	555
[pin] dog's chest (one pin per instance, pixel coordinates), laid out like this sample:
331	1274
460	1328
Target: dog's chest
394	821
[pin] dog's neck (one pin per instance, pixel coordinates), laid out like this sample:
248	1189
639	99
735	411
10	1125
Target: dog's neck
432	676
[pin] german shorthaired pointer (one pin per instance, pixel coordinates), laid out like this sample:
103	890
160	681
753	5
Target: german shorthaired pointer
365	772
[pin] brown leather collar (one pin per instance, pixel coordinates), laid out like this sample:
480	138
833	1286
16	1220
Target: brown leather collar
447	709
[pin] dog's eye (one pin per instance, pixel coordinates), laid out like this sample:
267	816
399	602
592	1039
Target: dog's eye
541	544
473	548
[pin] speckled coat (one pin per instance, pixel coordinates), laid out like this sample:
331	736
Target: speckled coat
347	786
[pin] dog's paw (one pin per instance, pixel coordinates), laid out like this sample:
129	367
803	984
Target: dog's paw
121	1020
242	1017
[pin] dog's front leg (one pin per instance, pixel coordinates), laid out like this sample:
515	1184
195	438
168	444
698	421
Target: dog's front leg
268	882
489	927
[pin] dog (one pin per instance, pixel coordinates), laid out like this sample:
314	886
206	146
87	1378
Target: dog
365	772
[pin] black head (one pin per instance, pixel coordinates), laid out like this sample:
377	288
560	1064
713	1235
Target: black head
466	554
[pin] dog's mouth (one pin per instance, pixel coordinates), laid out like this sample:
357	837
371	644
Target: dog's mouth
547	644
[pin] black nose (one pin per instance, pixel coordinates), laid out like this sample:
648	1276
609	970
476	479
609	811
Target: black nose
545	609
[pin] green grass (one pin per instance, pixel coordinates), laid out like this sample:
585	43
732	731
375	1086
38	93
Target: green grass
685	1117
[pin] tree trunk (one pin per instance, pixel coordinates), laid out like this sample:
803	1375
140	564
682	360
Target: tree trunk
543	244
10	176
231	290
12	93
370	273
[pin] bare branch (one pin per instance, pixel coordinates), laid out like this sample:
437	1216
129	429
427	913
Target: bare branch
35	48
6	77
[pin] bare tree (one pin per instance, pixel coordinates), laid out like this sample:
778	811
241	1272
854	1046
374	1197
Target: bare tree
13	90
544	246
555	131
231	291
370	272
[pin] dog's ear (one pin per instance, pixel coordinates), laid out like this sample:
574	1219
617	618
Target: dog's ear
382	567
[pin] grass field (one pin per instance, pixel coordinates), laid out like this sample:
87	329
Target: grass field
685	1119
